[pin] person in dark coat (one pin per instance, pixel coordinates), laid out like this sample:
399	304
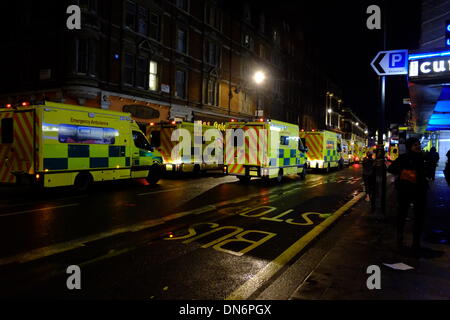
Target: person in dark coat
431	161
412	186
368	174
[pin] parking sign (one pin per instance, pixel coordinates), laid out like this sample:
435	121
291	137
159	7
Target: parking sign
394	62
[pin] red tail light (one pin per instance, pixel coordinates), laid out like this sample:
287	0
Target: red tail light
24	104
9	105
261	120
174	122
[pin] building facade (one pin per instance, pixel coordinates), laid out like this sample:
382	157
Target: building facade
166	60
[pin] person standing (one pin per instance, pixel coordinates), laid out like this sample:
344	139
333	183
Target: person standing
412	186
432	159
369	177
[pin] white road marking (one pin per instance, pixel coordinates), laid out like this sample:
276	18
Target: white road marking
36	210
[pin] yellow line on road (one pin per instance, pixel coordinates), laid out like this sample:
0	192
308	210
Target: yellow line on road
253	284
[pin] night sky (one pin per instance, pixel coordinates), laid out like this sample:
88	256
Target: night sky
347	47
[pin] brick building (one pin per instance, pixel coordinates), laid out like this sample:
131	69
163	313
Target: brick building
165	59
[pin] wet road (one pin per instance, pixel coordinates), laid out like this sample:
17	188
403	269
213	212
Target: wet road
207	237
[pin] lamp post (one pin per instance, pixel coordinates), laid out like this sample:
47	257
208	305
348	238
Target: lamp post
259	78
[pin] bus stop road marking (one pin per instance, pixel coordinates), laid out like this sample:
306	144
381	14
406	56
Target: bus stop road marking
253	284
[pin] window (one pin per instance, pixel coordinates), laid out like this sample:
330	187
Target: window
211	94
129	69
141	72
247	41
211	53
301	144
7	130
153	76
284	141
89	5
181	40
155	137
180	84
262	51
182	4
130	15
142	26
212	16
140	141
68	133
82	56
247	13
85	57
154	26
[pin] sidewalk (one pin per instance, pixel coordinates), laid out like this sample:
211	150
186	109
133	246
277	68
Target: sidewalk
341	275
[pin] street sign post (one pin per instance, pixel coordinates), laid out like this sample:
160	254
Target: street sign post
389	63
385	63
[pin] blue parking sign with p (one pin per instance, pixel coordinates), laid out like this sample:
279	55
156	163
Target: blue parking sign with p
397	59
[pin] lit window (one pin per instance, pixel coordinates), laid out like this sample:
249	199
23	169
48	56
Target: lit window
153	76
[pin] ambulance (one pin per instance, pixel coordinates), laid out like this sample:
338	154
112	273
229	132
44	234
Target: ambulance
351	151
265	148
53	145
324	149
345	152
359	151
161	136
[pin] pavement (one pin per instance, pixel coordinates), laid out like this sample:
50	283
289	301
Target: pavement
342	274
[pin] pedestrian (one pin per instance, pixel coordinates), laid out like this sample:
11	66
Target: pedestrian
369	177
431	159
447	168
412	187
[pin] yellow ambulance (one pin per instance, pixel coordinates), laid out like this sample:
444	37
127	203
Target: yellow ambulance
324	150
54	144
265	148
161	136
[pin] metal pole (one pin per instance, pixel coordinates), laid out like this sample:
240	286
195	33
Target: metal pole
380	167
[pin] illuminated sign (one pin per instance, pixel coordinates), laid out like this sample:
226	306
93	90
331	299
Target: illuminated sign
429	69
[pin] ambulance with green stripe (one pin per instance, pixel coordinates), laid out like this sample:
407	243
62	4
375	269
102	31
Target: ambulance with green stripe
265	149
164	138
324	149
54	144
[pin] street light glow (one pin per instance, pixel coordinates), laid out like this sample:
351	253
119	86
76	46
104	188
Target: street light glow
259	77
329	110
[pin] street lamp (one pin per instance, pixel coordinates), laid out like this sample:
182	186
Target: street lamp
259	78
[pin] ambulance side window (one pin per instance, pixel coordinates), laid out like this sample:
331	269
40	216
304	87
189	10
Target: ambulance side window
284	141
140	141
301	146
339	147
155	138
7	130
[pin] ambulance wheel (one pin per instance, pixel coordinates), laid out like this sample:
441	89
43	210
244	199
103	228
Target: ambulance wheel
196	169
154	174
83	181
280	175
303	174
244	179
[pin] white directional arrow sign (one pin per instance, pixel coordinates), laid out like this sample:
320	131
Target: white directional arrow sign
389	63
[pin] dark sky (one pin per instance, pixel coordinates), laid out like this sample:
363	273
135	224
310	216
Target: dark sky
347	47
